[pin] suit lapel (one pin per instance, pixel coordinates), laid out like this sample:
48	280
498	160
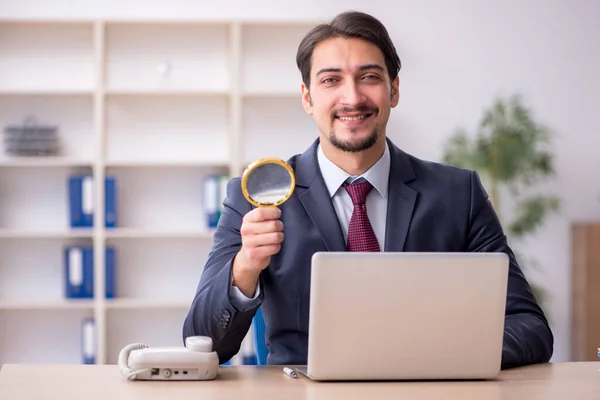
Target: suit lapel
401	200
314	196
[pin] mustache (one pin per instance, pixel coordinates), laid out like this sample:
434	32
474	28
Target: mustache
363	108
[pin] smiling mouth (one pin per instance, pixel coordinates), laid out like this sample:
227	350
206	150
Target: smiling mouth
354	118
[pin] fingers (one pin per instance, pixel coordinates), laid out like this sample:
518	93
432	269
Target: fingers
262	214
264	239
262	235
261	220
258	228
260	255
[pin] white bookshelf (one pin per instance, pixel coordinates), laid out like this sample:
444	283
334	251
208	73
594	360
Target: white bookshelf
159	105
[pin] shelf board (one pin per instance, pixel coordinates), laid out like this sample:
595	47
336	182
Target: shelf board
12	233
280	23
136	233
46	92
65	304
43	162
167	22
274	93
47	21
166	164
165	92
133	303
83	304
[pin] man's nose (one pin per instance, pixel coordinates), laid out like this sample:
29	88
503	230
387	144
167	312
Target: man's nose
351	94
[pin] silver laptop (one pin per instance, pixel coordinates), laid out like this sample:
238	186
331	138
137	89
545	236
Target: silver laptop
406	316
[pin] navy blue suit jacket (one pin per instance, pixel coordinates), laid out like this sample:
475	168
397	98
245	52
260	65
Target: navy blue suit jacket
431	208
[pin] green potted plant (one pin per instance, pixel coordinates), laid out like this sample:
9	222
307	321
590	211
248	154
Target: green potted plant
512	154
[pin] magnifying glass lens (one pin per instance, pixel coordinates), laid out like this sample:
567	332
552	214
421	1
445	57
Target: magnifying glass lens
268	182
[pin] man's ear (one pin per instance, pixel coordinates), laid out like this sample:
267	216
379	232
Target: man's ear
395	92
306	100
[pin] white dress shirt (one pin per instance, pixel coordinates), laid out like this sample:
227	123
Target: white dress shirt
377	176
376	201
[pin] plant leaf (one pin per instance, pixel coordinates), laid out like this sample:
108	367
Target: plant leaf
511	143
530	214
458	150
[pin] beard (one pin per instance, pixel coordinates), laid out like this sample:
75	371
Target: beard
364	144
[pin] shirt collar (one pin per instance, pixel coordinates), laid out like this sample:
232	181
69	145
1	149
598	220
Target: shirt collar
334	176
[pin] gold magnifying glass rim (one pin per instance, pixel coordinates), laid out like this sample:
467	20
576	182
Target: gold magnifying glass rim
258	163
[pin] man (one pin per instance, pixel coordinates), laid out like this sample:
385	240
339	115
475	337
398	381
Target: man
261	256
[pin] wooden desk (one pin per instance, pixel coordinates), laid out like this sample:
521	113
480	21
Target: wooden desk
90	382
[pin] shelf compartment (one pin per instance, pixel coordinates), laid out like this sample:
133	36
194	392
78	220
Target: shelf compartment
71	114
269	58
167	56
161	270
32	271
161	200
36	200
48	57
277	138
157	129
61	331
155	328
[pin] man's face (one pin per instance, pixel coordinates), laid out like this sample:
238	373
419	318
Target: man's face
350	94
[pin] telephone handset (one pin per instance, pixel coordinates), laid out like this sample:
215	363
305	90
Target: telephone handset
195	361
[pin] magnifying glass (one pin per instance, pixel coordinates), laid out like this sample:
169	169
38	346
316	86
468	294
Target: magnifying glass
268	182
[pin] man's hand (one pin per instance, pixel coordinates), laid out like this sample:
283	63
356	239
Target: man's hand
262	234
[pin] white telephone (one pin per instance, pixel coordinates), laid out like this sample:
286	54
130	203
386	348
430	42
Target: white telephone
195	361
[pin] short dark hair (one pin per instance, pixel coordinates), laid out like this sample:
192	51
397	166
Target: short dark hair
350	24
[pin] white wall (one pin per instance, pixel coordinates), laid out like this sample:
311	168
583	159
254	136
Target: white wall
456	56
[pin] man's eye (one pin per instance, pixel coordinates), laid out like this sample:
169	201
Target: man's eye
329	80
371	77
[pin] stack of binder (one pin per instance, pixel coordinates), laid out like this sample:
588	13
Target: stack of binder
214	190
31	139
81	201
79	272
88	341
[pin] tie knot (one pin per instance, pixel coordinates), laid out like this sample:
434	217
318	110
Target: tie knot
358	191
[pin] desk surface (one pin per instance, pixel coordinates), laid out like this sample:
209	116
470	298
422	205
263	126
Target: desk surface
94	382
